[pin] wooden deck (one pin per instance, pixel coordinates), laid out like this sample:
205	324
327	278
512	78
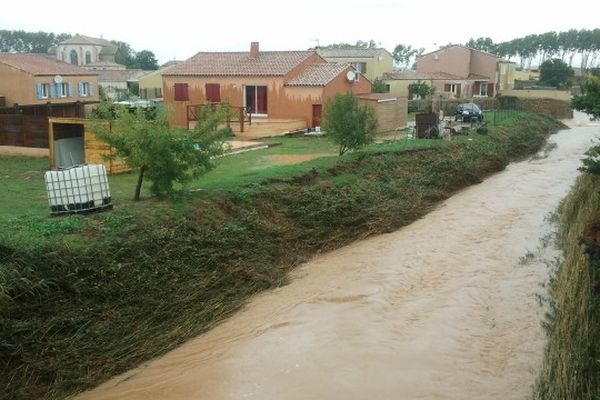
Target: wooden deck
265	127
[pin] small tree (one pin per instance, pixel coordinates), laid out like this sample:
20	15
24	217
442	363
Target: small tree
556	73
379	86
420	89
589	102
163	154
348	123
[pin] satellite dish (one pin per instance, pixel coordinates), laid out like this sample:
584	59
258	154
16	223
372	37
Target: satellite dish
58	79
350	76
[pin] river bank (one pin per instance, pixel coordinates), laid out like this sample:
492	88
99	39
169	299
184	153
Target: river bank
571	368
75	314
445	308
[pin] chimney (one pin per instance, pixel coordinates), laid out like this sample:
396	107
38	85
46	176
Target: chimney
253	49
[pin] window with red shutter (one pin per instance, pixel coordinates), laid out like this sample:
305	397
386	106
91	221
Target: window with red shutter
181	92
213	92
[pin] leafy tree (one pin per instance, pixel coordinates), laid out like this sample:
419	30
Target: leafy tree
360	44
146	60
589	100
350	124
379	86
125	54
483	44
29	42
163	154
420	89
556	73
567	44
404	54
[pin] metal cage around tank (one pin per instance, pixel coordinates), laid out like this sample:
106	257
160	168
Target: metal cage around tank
79	189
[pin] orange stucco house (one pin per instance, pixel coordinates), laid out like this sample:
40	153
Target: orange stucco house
34	80
35	87
279	90
467	72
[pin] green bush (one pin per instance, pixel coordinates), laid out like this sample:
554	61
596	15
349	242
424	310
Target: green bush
350	124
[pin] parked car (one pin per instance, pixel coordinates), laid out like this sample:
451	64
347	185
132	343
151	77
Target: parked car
468	112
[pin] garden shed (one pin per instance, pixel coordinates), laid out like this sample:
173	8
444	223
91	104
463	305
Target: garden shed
391	110
71	142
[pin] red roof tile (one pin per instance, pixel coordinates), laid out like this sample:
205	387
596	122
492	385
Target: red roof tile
37	64
318	74
268	63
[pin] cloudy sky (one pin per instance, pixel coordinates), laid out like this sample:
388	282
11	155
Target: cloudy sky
178	29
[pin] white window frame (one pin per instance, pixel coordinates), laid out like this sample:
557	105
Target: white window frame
483	92
358	65
453	87
85	89
64	90
44	91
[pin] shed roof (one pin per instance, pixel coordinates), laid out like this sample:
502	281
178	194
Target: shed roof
41	65
378	97
267	63
318	74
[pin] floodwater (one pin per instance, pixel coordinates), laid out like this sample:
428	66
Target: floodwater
444	308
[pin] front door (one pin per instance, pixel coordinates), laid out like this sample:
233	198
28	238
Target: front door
316	115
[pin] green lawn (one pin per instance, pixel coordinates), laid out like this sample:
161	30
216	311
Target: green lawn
24	190
25	214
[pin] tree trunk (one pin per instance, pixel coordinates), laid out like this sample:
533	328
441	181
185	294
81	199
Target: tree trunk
138	186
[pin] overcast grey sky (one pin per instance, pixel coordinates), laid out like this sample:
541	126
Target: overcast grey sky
177	29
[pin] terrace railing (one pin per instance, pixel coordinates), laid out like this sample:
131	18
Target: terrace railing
238	115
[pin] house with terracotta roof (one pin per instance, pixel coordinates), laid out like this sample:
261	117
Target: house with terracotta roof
278	90
372	62
36	87
37	80
469	72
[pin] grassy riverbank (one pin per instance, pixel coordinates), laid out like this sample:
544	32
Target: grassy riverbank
571	367
85	298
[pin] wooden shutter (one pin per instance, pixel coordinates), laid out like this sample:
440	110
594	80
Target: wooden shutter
70	87
446	87
213	92
181	92
80	88
38	91
458	90
53	90
490	90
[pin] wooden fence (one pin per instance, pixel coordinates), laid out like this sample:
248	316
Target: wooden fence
24	130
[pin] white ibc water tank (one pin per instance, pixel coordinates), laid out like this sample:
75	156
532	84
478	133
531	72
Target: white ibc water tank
78	189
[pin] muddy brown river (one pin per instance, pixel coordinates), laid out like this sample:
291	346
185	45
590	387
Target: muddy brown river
444	308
